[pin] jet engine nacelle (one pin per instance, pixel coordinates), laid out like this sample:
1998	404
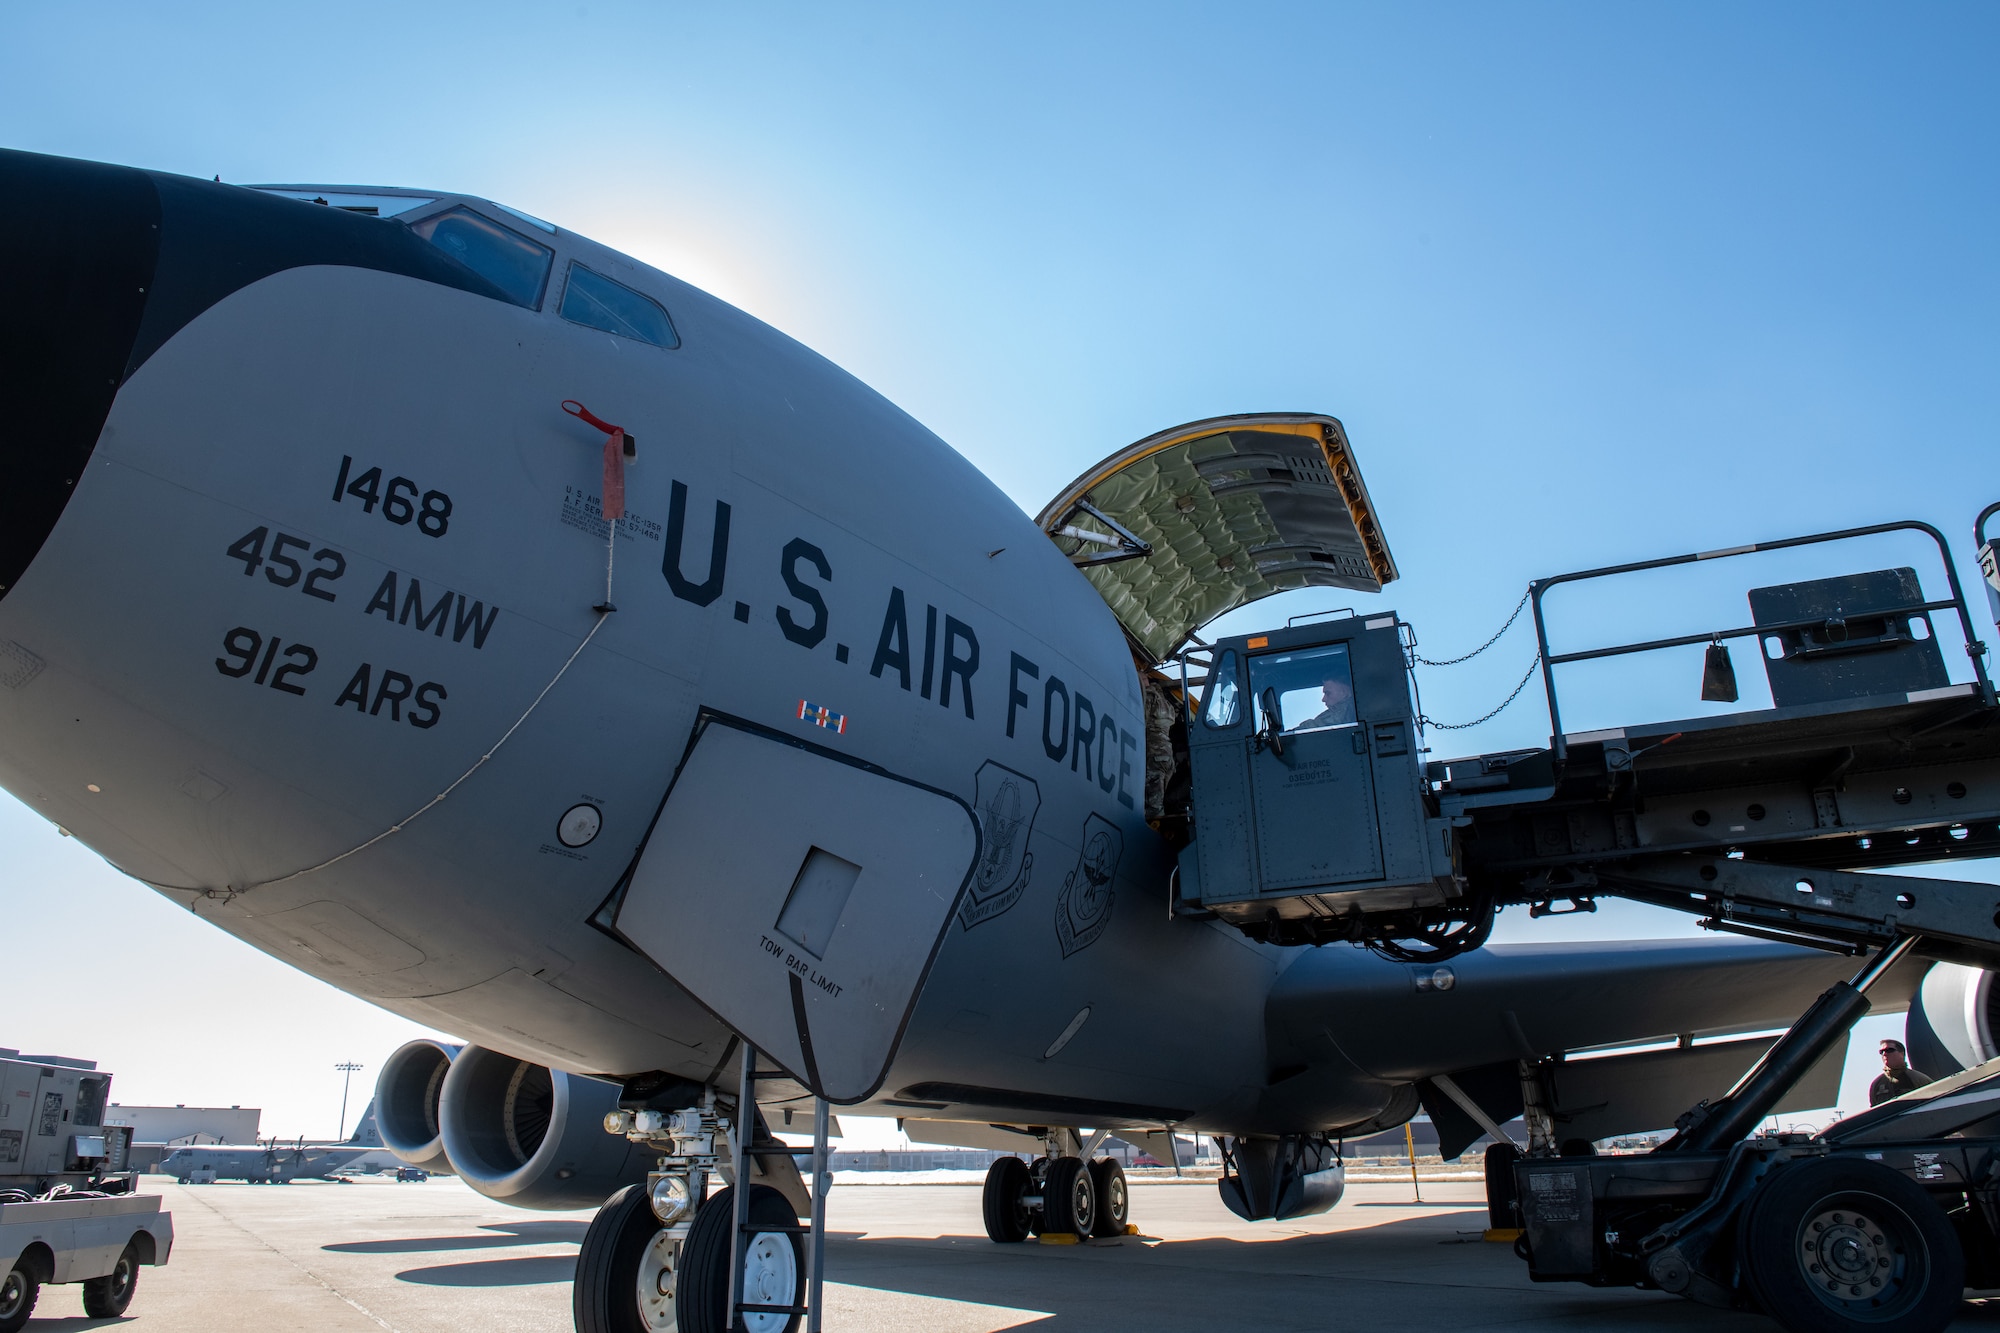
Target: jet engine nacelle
406	1102
532	1136
1954	1020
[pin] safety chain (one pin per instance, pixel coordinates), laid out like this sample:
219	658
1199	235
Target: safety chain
1526	676
1454	661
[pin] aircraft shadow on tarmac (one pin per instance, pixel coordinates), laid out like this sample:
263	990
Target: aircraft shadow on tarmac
1391	1272
511	1233
526	1270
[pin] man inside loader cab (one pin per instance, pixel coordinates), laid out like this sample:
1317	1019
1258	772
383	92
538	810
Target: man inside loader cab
1337	693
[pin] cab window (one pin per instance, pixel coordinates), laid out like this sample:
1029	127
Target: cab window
1314	687
596	302
510	261
1223	705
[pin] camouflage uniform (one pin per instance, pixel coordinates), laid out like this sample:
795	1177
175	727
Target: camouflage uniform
1161	713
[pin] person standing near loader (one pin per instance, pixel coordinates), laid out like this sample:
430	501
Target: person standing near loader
1896	1077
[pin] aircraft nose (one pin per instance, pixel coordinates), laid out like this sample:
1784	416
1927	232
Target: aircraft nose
79	242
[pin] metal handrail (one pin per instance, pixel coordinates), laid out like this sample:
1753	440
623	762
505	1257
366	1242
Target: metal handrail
1745	632
1973	647
1987	550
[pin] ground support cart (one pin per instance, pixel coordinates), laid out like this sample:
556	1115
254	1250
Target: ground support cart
100	1242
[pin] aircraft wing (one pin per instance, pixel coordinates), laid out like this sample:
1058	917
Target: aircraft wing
1201	519
1475	1018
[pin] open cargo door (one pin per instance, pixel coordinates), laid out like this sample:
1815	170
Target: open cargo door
1201	519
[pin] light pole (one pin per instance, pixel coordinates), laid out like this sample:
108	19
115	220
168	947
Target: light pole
346	1068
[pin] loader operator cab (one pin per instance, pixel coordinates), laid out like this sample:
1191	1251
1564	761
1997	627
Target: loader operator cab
1303	805
1308	799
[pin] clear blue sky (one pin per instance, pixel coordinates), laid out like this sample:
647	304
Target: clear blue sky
1585	282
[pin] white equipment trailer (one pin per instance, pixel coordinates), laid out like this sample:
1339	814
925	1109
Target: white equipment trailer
98	1241
67	1210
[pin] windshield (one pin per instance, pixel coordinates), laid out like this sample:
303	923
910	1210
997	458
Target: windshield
1314	687
595	301
510	261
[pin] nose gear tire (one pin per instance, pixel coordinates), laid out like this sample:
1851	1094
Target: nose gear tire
605	1295
771	1257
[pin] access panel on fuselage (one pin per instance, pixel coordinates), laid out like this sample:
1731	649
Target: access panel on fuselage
801	896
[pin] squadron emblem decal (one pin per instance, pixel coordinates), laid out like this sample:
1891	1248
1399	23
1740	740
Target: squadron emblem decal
1083	909
1007	803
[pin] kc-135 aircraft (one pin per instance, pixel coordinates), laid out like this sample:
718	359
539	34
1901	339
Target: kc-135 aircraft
522	639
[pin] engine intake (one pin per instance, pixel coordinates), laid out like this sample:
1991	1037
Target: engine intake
1954	1020
406	1102
532	1136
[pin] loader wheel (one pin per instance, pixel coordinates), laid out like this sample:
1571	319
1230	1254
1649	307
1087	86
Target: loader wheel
1833	1245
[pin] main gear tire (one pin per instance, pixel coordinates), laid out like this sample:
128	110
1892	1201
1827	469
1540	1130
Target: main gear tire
1503	1211
1002	1203
1069	1199
1114	1208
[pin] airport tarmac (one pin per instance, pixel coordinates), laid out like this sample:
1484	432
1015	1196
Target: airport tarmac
434	1257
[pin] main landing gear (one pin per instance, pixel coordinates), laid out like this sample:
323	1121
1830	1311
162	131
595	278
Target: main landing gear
1051	1197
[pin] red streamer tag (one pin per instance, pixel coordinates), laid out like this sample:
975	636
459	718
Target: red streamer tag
614	458
614	475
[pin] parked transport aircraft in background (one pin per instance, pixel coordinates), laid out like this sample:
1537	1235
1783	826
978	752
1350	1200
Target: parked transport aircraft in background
508	633
275	1162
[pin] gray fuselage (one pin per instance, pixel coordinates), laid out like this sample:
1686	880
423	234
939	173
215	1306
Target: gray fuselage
235	658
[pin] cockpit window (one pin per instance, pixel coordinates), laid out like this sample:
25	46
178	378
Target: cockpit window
351	201
505	258
1314	687
595	301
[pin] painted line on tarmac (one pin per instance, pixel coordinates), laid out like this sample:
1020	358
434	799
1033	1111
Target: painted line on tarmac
333	1290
